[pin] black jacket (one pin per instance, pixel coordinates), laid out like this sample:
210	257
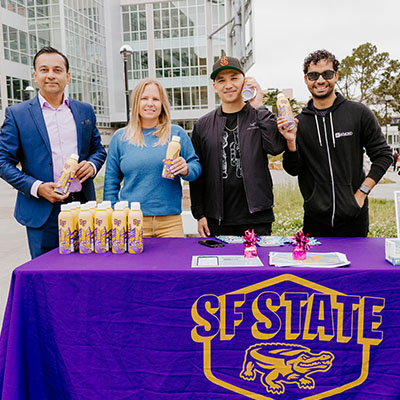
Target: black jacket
329	158
258	136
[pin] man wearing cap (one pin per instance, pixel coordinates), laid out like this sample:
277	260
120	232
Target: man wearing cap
234	191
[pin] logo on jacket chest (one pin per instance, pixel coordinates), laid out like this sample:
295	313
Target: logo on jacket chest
343	134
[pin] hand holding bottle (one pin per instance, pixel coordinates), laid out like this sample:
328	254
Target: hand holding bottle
179	167
46	190
84	170
252	85
288	134
173	150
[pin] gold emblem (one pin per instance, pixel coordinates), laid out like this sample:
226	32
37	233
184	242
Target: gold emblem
224	61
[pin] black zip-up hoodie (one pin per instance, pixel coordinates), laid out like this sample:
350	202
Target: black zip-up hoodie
258	136
329	158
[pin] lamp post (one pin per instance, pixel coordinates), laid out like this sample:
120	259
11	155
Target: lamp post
125	52
30	90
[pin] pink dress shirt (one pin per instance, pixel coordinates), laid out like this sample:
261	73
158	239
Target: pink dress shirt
61	128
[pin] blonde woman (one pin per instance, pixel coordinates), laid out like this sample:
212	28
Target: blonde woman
135	156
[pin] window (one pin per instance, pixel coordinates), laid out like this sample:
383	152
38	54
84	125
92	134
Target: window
16	90
176	62
138	66
172	19
134	25
15	45
16	6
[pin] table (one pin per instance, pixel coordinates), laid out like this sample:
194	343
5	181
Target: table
151	327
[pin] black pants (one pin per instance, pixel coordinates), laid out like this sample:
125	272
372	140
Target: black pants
238	230
354	227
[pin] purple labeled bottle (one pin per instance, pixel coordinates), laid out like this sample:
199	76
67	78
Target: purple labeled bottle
284	110
135	229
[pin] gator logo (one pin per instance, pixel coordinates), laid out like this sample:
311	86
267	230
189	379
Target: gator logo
280	363
224	61
287	338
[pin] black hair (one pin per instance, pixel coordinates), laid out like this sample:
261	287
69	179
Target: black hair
316	56
50	50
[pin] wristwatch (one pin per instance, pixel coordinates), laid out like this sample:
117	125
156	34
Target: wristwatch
365	189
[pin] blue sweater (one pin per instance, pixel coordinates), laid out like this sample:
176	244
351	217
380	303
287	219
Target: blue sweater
140	170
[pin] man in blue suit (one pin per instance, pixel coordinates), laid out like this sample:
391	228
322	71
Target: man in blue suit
41	134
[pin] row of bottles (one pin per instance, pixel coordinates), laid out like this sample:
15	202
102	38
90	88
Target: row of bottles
92	227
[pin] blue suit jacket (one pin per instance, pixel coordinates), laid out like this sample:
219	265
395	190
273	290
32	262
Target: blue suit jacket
24	139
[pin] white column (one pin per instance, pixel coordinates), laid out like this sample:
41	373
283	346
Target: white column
151	59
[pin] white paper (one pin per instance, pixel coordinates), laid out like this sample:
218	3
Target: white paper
225	261
313	260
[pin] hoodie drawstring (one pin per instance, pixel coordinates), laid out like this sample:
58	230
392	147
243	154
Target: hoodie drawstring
332	131
319	133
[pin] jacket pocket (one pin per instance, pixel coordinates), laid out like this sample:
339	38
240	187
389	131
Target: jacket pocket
346	204
320	200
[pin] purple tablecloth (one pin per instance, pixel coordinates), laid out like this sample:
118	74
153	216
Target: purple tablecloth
151	327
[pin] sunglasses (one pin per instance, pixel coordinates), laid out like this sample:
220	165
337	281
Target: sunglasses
314	76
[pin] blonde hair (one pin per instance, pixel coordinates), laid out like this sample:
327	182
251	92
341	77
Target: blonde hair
133	131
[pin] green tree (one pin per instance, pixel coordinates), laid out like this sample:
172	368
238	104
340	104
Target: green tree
389	85
360	73
270	99
271	96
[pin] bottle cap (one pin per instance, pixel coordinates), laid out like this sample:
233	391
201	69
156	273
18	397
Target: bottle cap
85	207
74	156
75	204
92	203
107	203
125	203
102	206
135	205
176	138
65	207
119	206
280	95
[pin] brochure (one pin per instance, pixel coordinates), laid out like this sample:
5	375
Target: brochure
264	241
225	261
313	260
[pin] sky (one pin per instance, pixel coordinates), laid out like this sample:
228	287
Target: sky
287	31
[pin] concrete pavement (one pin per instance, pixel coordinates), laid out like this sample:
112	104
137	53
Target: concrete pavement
13	243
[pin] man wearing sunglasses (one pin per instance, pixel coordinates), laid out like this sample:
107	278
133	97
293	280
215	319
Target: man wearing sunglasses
326	152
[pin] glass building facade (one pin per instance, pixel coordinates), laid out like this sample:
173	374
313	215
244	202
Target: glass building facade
75	27
175	42
16	6
173	37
